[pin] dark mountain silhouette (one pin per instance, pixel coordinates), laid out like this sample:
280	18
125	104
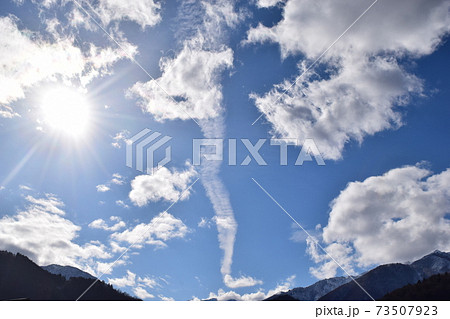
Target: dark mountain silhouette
386	278
310	293
434	288
20	278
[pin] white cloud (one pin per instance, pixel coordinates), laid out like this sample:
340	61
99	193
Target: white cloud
119	138
102	188
115	247
222	295
189	85
50	204
127	281
267	3
116	179
138	284
192	79
204	223
28	232
7	112
363	84
414	26
143	12
161	228
122	204
396	217
164	184
101	224
27	60
106	268
243	281
164	298
25	188
148	282
142	293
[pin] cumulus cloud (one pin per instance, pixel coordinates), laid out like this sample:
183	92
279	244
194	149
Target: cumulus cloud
101	224
102	188
363	84
396	217
143	12
164	184
28	232
28	58
223	295
120	138
122	204
127	281
142	293
161	228
50	203
138	284
267	3
116	179
243	281
189	86
106	268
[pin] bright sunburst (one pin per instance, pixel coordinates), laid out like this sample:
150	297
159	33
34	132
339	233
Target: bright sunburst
66	110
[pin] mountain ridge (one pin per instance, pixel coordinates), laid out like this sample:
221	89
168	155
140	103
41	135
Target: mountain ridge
389	277
67	271
378	281
22	279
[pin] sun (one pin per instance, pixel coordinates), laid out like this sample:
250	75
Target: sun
66	110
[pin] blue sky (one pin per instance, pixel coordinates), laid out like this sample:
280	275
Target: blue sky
376	106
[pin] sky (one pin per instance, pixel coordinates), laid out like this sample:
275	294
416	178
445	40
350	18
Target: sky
366	83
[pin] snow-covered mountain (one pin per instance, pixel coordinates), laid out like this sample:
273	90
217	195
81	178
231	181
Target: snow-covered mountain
378	281
313	292
67	271
437	262
386	278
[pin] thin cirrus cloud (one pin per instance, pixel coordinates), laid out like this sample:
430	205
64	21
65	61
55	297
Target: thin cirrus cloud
365	84
396	217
